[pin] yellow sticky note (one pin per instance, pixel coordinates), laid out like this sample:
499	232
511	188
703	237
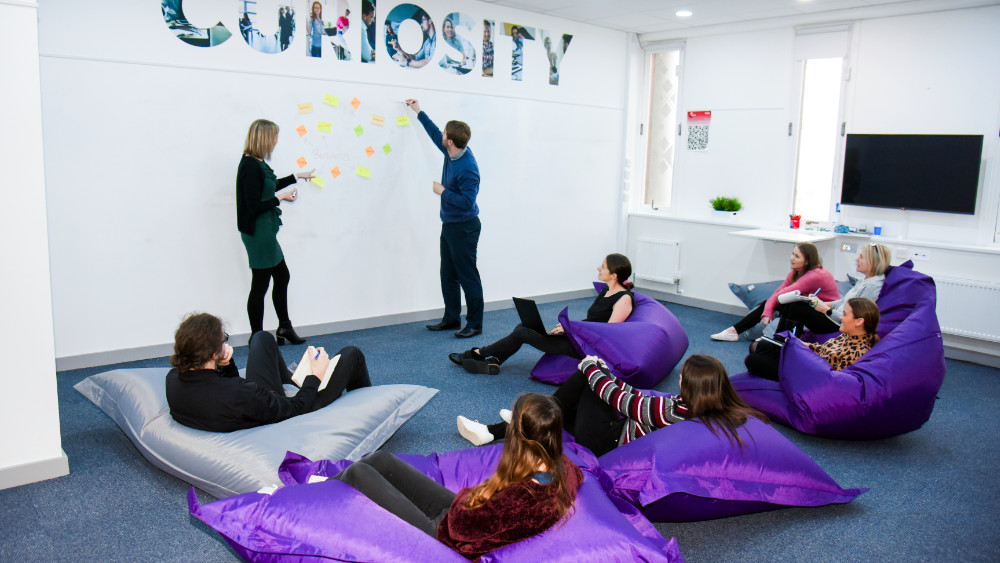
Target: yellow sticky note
359	130
301	130
301	161
318	181
378	120
335	172
331	100
386	148
356	103
324	126
403	120
364	172
369	150
306	107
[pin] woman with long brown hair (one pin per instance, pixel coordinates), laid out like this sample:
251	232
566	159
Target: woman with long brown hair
533	488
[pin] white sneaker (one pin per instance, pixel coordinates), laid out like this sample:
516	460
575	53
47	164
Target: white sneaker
728	335
505	414
474	431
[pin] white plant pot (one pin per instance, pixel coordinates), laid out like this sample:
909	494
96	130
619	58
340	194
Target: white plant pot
724	215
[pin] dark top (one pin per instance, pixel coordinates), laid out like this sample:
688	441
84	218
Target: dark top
222	401
600	310
460	178
251	201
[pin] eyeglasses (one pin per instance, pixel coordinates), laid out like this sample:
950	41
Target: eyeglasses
225	337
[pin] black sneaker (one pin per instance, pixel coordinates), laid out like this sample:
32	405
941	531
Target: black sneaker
489	366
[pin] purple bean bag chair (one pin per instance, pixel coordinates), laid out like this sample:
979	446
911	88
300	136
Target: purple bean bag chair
330	521
641	351
684	473
889	391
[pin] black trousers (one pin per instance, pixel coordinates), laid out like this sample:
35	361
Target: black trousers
459	245
763	360
802	313
266	367
509	345
397	487
279	296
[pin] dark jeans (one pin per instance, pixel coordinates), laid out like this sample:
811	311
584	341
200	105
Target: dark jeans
509	345
763	360
258	289
592	422
397	487
266	367
800	312
459	244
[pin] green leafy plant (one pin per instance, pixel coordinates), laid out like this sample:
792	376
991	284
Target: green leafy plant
726	203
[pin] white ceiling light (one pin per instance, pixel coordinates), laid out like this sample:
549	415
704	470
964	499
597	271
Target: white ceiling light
683	13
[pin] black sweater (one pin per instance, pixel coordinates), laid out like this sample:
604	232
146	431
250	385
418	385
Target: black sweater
222	401
249	187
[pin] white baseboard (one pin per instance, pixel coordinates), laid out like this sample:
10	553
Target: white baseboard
34	472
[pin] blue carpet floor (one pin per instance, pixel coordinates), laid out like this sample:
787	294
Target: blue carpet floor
933	492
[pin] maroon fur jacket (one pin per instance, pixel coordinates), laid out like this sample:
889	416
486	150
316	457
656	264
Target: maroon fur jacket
520	511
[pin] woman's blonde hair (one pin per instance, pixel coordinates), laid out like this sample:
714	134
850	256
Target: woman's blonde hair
878	257
260	139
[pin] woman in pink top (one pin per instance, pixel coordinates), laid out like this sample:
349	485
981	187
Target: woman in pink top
807	276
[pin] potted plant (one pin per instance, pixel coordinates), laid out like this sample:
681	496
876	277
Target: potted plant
726	207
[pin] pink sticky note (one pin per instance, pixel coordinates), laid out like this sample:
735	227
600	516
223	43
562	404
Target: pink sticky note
301	161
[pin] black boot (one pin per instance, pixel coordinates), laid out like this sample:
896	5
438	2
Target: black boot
286	332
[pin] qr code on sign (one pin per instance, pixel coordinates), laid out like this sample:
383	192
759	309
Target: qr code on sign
698	137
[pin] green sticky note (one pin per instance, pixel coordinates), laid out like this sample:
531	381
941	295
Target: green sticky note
324	126
318	181
364	172
386	148
331	100
359	130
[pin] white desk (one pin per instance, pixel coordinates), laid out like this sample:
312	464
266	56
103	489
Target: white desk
786	235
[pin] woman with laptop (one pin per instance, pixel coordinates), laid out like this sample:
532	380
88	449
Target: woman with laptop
612	305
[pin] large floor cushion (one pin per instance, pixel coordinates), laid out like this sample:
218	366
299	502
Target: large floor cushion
329	520
685	473
641	351
889	391
224	464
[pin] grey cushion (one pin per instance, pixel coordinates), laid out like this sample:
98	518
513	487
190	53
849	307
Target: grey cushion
225	464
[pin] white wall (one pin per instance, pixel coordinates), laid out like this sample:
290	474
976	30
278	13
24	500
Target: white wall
143	134
29	429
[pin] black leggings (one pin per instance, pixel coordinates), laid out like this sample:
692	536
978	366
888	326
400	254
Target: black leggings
266	367
592	422
801	312
397	487
763	360
258	289
509	345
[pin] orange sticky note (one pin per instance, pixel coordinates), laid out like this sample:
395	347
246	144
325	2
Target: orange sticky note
386	148
306	107
335	171
359	130
324	126
403	120
356	103
301	161
318	181
378	120
369	150
364	172
301	130
331	100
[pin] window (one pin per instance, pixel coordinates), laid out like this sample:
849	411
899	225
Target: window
660	129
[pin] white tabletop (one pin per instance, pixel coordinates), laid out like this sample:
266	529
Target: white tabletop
786	235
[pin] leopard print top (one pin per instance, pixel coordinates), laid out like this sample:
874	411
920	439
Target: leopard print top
844	350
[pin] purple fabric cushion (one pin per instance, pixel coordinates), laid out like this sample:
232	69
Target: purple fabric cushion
641	351
331	521
685	473
889	391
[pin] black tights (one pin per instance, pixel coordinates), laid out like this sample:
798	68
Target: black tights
279	296
521	335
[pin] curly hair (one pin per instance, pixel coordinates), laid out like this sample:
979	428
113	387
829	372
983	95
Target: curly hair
197	340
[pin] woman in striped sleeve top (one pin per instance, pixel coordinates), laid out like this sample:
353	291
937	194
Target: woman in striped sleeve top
603	412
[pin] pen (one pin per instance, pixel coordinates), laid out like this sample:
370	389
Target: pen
317	354
816	292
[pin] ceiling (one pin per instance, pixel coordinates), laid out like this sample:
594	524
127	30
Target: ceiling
657	19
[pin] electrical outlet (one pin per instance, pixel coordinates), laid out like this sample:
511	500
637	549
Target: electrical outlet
920	255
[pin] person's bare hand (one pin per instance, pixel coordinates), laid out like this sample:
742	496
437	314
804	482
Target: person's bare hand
413	104
305	175
318	365
557	330
288	195
765	320
822	306
227	356
438	188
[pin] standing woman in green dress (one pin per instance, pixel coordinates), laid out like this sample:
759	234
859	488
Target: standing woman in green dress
258	218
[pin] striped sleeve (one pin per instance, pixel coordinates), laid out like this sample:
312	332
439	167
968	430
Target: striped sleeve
651	411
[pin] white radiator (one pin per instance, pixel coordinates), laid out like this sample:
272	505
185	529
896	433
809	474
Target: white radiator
969	308
658	260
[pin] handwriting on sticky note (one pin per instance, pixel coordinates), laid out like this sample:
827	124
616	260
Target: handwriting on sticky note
301	161
364	172
335	171
301	130
369	151
403	120
306	107
386	148
331	100
318	181
378	120
324	126
356	103
359	130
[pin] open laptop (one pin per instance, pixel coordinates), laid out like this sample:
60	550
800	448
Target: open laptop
528	311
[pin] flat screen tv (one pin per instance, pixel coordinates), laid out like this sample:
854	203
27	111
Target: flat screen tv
922	172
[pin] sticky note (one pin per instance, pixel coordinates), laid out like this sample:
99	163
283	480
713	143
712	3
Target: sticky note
301	130
331	100
301	161
386	148
335	171
324	126
356	103
318	181
359	130
364	172
306	107
378	120
369	150
403	120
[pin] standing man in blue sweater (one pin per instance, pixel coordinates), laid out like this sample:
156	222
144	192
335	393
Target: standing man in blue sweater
460	226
